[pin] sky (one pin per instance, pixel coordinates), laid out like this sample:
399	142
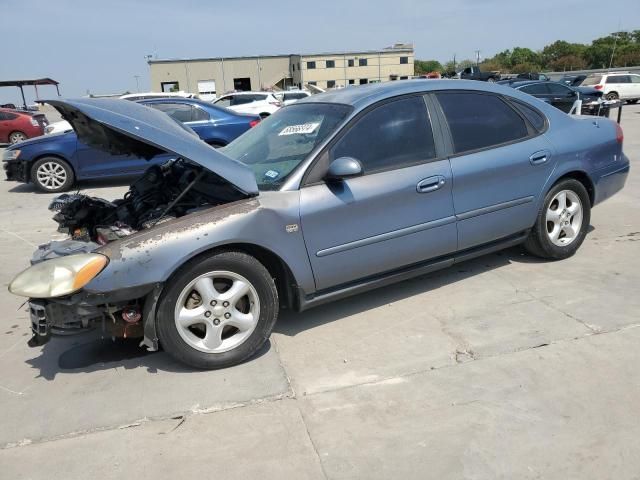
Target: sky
100	46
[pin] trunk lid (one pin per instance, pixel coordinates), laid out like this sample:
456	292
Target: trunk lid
123	127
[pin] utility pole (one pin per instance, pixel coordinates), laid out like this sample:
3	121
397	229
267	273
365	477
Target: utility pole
477	58
137	83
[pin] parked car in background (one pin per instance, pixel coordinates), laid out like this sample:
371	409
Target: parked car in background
58	127
19	125
151	95
282	217
616	86
54	163
557	94
532	76
215	125
292	96
474	73
259	103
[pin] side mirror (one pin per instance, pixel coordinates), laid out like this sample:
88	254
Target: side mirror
344	167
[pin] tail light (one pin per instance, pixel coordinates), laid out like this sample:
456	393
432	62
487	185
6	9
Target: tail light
253	123
598	87
619	133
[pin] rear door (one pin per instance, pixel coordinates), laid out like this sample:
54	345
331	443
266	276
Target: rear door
398	213
500	161
620	84
5	125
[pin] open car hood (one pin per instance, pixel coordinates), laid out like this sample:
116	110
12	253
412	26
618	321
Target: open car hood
123	127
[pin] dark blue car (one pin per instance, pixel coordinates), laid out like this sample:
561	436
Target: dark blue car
54	163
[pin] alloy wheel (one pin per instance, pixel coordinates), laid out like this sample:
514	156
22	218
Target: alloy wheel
564	218
217	311
51	175
16	137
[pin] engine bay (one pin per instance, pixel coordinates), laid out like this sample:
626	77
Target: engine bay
162	193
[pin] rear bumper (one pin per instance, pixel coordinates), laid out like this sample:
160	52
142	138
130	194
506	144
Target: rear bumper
16	170
611	179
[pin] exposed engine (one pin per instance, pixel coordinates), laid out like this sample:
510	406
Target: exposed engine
162	193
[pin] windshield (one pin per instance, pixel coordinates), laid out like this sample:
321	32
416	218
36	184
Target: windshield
278	144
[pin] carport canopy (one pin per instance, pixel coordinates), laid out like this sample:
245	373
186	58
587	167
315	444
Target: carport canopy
22	83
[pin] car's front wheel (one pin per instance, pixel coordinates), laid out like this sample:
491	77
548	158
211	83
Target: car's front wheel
52	175
217	311
562	223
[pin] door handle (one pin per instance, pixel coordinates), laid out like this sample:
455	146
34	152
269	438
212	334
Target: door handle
430	184
539	158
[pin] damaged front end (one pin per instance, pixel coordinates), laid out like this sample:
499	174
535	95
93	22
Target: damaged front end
199	178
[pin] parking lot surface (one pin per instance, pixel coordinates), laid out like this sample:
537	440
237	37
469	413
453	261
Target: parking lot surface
502	367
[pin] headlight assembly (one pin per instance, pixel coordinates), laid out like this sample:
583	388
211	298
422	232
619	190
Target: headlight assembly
59	276
11	154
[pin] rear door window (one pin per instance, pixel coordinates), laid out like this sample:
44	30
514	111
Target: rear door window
559	90
478	121
391	136
242	100
224	102
178	111
618	79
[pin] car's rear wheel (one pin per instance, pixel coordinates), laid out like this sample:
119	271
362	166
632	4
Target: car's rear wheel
612	96
633	102
561	225
217	311
491	80
15	137
52	175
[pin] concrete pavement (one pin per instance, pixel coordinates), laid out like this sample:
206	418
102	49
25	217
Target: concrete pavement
502	367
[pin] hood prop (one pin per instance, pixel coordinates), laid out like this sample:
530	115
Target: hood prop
179	197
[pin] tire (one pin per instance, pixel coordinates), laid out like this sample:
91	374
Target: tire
632	102
612	96
556	236
15	137
491	80
264	115
205	330
52	175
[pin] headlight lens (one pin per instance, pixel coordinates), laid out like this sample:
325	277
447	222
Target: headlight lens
11	154
57	277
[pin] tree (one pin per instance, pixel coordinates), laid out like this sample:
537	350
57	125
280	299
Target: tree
567	62
426	66
559	49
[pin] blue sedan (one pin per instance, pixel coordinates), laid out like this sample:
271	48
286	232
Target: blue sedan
54	163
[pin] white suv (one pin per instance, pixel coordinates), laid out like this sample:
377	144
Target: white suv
258	103
616	85
292	96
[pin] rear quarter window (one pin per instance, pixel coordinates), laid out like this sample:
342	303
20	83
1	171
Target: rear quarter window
535	118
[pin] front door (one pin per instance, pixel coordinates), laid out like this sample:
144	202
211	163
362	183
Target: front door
398	213
500	163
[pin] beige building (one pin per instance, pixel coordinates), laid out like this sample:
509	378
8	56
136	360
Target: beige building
215	76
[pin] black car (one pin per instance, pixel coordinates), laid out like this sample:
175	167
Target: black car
573	80
563	96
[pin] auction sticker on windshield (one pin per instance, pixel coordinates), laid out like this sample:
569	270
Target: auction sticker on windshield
299	129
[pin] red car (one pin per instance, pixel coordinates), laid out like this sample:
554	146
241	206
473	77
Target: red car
16	125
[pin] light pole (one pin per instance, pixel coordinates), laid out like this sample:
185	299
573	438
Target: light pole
137	83
477	58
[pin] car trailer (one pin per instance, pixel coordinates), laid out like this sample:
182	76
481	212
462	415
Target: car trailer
34	83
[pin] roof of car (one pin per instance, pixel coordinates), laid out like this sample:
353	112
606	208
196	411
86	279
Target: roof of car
364	95
248	93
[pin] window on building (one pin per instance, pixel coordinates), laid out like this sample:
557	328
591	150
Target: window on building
294	67
480	121
364	81
404	60
352	81
404	78
170	86
362	62
331	83
311	65
242	84
331	64
394	135
351	62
